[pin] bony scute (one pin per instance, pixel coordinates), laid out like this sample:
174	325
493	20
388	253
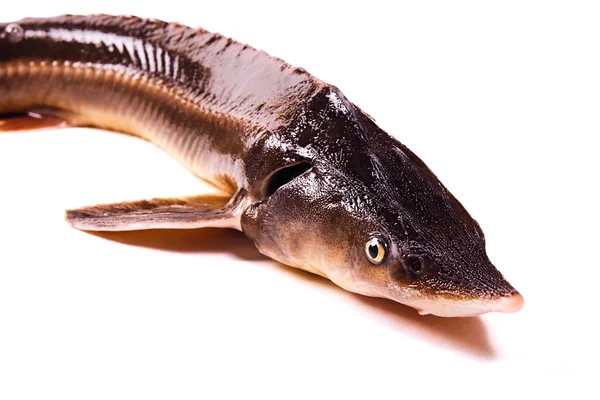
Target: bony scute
14	33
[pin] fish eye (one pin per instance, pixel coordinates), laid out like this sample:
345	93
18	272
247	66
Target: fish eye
415	265
376	249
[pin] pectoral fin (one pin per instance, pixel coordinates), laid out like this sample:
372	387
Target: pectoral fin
170	213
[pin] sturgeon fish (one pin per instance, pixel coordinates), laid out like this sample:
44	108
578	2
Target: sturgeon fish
305	174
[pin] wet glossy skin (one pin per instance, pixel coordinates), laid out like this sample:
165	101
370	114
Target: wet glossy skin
239	118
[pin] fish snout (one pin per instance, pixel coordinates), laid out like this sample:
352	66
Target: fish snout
444	307
465	292
508	304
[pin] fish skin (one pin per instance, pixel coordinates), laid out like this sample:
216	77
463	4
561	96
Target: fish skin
313	176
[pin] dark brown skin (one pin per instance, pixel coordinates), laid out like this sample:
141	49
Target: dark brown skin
311	177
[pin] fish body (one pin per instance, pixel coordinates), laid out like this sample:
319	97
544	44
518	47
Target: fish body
305	174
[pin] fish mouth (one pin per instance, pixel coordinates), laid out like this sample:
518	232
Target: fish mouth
444	307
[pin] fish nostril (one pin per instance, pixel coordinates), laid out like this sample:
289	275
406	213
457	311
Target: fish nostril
415	265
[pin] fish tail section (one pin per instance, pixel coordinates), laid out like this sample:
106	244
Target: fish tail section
35	120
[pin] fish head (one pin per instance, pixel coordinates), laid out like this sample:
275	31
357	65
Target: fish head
368	214
432	250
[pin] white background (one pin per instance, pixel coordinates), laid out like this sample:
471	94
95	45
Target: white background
501	100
